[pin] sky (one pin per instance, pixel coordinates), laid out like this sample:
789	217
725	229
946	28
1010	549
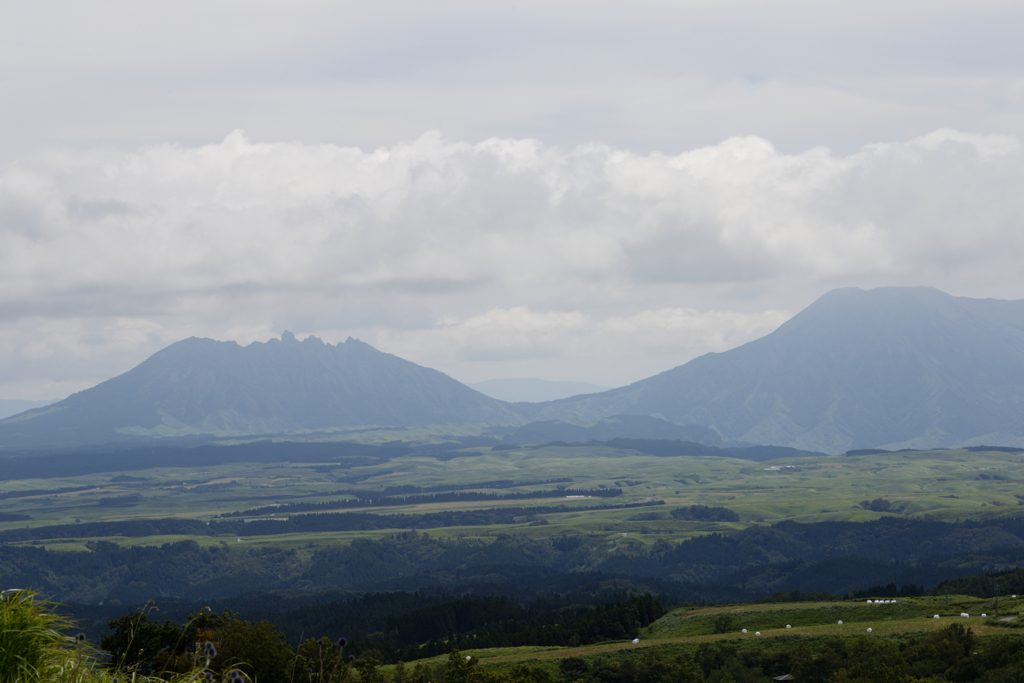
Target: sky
586	191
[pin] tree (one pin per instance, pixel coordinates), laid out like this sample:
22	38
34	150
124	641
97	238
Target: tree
136	643
723	623
368	670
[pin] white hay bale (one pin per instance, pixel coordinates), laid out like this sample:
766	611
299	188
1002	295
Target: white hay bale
936	616
744	630
869	630
965	615
757	633
636	641
840	622
788	626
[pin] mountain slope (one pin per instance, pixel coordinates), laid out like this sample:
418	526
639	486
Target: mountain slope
894	366
202	386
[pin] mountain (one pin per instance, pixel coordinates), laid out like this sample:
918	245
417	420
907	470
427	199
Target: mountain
533	390
892	367
202	386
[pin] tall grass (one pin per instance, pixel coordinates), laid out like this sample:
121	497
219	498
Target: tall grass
35	648
33	644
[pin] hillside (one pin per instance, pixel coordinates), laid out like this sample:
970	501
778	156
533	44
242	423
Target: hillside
202	386
890	367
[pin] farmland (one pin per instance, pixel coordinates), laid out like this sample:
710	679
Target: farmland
945	485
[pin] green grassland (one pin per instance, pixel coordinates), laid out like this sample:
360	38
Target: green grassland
683	630
946	485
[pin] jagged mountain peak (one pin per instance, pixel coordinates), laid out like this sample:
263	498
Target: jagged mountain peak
204	386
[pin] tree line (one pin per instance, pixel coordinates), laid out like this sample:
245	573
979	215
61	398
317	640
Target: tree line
138	643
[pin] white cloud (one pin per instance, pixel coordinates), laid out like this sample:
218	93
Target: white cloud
505	338
589	263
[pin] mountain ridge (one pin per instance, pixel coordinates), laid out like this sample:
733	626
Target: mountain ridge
914	356
891	367
203	386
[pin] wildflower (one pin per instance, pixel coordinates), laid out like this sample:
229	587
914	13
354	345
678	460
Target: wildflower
209	676
80	637
342	642
351	658
209	650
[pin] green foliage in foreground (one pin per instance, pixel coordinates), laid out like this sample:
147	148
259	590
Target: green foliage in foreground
35	646
140	645
34	649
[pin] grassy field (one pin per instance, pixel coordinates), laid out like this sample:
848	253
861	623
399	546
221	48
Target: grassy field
945	485
683	630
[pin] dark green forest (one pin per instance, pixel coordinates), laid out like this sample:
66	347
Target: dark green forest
839	557
782	562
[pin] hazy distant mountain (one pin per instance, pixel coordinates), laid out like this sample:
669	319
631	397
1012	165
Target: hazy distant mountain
889	367
10	407
533	390
202	386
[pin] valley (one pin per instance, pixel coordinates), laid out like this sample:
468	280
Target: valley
943	485
478	519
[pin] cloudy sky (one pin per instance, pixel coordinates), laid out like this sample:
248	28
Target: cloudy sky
569	190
